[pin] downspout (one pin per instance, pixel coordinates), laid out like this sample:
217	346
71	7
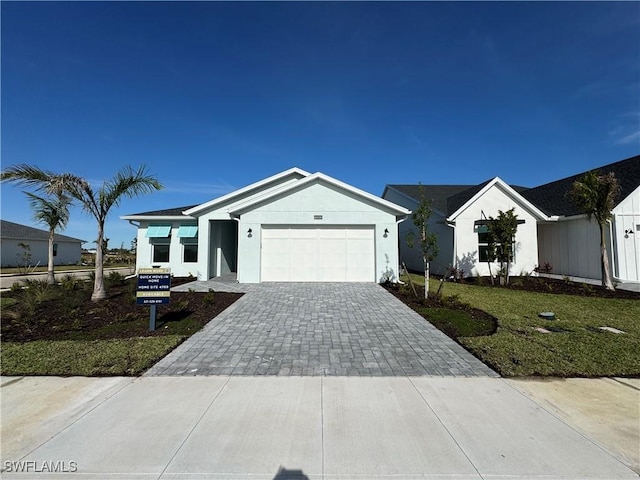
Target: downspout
613	252
137	225
237	219
398	222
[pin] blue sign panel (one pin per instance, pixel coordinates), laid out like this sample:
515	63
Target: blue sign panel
154	286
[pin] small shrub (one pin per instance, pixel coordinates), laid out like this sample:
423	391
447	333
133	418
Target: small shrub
181	305
16	287
115	278
69	282
209	298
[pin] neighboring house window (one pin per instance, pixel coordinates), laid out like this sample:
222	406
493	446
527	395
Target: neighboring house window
188	235
55	249
483	245
161	250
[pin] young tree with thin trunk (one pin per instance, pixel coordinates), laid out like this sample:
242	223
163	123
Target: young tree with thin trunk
502	233
53	212
428	241
596	195
98	203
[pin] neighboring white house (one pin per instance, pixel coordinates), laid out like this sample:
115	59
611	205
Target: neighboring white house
551	230
293	226
66	250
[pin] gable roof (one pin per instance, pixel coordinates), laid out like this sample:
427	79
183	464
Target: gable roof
552	197
245	198
446	198
294	173
438	194
318	177
466	198
17	231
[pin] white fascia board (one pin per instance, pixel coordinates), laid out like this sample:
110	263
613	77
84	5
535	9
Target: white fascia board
244	206
510	191
153	218
248	188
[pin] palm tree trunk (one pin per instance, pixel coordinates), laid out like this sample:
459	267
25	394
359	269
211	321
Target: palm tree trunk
51	278
99	290
604	261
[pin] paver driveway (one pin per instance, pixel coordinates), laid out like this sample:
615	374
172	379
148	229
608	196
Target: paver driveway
352	329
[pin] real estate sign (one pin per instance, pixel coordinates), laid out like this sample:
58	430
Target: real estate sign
154	286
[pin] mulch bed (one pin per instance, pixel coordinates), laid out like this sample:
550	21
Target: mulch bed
71	314
557	286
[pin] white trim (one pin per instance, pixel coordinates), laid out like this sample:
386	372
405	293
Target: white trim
510	191
253	186
157	217
244	206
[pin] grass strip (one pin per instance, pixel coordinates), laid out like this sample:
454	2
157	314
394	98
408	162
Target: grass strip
576	346
113	357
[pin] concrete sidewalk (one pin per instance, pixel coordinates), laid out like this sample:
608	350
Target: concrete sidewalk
293	428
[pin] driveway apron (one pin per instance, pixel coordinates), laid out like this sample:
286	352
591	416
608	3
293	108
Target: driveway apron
292	329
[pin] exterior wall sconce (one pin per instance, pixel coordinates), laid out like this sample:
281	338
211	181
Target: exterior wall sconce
249	233
627	233
386	233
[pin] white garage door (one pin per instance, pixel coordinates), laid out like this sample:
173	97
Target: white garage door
312	254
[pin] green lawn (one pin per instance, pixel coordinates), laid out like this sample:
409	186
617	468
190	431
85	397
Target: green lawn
576	346
130	356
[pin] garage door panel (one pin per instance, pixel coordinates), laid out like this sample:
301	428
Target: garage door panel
338	254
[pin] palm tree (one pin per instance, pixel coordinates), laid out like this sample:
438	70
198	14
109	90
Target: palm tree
54	212
596	195
126	183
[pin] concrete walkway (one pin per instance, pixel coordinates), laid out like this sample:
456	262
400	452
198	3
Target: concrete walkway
348	329
329	428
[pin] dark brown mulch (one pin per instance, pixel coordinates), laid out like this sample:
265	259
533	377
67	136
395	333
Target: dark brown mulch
557	286
69	314
418	303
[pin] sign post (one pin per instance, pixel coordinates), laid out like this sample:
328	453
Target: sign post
154	288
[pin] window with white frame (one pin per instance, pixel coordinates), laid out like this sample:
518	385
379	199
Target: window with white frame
160	249
189	250
188	235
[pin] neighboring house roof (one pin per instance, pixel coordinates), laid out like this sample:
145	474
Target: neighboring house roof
438	194
458	200
445	198
553	197
16	231
480	190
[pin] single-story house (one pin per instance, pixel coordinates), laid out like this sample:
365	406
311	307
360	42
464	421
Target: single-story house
66	250
551	231
291	227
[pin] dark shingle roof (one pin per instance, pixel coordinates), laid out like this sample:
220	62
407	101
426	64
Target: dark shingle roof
438	194
22	232
447	198
456	201
167	212
552	197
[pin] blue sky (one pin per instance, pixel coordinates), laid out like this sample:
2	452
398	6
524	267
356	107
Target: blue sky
212	96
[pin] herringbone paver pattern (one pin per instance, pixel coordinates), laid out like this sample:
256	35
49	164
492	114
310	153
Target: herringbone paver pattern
352	329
